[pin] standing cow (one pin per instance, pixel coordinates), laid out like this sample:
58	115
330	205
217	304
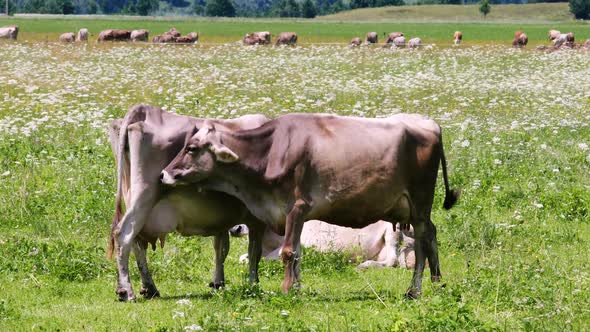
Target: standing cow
391	37
144	142
520	39
399	42
9	32
82	35
371	38
457	38
68	37
415	42
286	38
257	38
140	35
347	171
114	35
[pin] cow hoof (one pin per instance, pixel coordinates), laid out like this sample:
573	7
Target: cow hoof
435	279
412	294
149	292
124	295
217	285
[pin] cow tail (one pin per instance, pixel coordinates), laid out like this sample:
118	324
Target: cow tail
451	195
121	165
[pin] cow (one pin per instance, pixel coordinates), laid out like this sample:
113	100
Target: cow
169	36
257	38
144	142
391	37
347	171
399	42
415	42
355	42
68	37
9	32
380	244
553	34
82	35
114	35
191	38
140	35
371	38
587	44
564	39
520	39
457	38
286	38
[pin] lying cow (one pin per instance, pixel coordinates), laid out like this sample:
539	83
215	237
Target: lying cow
68	37
415	42
114	35
391	37
355	42
399	42
140	35
82	35
347	171
520	39
371	38
169	36
379	244
144	142
9	32
257	38
457	38
286	38
191	38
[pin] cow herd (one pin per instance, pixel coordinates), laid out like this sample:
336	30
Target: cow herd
370	182
392	40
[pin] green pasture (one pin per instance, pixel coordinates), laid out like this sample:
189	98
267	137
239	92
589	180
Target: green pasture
516	136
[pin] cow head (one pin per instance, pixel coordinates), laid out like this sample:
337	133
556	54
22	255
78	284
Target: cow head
201	154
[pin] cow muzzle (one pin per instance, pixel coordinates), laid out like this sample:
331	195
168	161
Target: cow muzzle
168	179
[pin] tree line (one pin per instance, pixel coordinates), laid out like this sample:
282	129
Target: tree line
241	8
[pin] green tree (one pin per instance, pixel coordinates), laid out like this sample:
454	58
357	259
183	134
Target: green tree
485	7
220	8
308	9
580	9
144	7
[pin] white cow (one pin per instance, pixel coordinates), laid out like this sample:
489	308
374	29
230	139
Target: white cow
9	32
399	42
415	42
377	245
82	35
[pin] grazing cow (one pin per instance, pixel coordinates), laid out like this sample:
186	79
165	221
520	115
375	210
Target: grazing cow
553	34
82	35
391	37
415	42
257	38
371	38
399	42
144	142
140	35
68	37
114	35
564	39
457	38
356	41
520	39
9	32
347	171
286	38
191	38
379	243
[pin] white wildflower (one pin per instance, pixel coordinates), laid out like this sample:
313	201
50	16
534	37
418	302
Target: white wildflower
465	143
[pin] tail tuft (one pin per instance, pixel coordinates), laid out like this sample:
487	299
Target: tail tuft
451	198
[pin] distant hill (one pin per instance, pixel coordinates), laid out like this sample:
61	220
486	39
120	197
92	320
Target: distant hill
529	13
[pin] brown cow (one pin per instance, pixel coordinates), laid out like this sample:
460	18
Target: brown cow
9	32
356	41
82	35
286	38
191	38
520	39
371	38
457	38
346	171
257	38
144	142
68	37
391	37
140	35
114	35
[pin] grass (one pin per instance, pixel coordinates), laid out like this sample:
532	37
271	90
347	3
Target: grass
516	137
434	24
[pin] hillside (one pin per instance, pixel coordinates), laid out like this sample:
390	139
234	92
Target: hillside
531	13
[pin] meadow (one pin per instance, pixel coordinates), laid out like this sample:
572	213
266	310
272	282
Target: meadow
516	133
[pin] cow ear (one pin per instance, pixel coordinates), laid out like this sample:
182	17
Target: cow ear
224	154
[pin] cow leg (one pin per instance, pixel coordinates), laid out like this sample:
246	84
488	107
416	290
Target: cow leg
254	251
424	237
148	288
432	253
391	240
293	229
221	246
